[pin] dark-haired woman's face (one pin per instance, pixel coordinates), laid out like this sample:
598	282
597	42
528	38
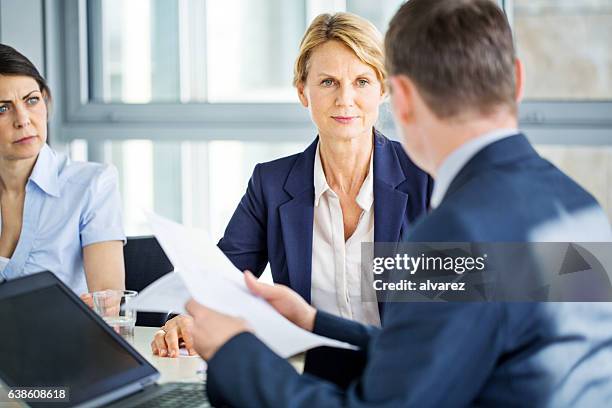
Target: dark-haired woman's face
23	118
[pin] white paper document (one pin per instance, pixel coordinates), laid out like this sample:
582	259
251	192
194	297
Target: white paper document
206	274
167	294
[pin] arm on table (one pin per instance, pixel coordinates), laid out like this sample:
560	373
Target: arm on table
101	234
103	264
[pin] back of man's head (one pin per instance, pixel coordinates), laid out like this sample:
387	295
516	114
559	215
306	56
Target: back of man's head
459	54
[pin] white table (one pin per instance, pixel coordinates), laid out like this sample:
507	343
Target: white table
182	368
179	369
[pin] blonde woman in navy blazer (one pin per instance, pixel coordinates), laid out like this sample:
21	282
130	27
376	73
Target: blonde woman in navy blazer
289	216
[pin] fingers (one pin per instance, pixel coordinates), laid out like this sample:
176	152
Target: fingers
154	348
251	282
258	288
158	345
165	343
175	333
192	307
88	299
188	342
172	342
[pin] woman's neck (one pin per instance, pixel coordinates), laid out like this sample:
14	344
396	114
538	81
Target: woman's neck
14	174
346	162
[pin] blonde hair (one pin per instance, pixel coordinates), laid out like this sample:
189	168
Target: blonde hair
353	31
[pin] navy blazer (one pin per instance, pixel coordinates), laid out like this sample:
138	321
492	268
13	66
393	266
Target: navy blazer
458	354
274	220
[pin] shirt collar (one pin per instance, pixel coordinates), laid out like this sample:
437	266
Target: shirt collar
365	197
320	183
45	171
455	161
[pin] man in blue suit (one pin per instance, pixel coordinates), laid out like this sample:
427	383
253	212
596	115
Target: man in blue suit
455	82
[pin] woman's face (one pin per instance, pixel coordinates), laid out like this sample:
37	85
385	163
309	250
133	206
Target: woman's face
342	93
23	118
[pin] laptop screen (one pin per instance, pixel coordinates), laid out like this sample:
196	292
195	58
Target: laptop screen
50	339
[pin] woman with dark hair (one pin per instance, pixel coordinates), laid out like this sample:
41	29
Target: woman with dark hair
55	214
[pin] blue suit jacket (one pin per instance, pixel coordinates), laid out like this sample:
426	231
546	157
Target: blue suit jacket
273	222
457	354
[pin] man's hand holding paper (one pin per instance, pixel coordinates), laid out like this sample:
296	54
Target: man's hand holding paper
213	282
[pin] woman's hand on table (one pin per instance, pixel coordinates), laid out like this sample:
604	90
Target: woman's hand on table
170	337
288	303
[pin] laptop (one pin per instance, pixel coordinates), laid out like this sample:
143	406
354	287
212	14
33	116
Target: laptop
52	339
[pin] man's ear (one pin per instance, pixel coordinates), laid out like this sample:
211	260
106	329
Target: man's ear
402	98
519	72
301	95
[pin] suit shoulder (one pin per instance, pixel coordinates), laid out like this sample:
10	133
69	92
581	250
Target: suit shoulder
510	203
277	167
444	224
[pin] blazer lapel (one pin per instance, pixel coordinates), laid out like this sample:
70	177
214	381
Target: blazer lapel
389	203
296	216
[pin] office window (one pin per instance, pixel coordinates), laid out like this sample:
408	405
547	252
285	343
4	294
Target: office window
154	73
175	53
378	12
144	51
252	47
198	183
134	49
565	46
589	166
194	50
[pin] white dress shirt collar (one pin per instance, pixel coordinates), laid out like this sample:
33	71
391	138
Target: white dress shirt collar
365	197
455	161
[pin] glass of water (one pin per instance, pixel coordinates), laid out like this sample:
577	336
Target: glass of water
115	308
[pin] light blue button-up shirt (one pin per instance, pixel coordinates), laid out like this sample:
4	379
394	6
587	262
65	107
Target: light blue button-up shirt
68	205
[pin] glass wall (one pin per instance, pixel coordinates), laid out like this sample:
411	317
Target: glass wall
186	51
178	52
195	51
196	183
565	46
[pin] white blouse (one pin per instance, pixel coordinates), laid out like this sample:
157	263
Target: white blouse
336	264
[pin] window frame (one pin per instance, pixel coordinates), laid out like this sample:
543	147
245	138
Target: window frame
582	122
90	120
545	122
